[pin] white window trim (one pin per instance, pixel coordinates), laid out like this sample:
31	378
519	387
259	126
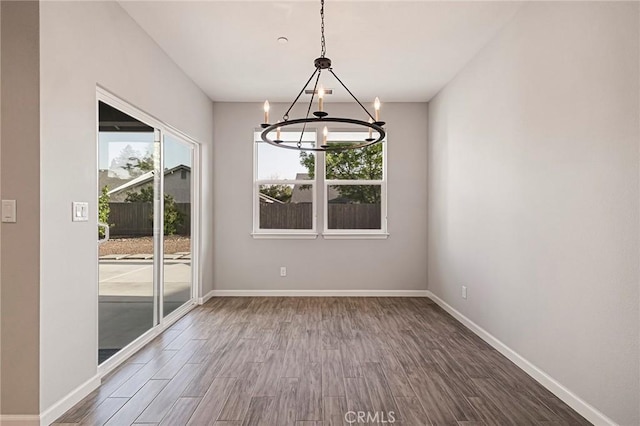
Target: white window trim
350	235
320	182
288	234
284	235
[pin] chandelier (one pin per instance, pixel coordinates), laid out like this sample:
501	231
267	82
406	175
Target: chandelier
376	132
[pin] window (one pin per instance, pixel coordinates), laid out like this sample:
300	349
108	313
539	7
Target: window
284	190
351	189
354	188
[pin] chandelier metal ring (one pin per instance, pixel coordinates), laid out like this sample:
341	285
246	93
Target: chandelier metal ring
375	126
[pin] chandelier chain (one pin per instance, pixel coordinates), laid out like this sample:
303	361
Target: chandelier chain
323	42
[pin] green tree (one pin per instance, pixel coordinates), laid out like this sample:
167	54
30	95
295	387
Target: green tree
172	216
351	164
103	209
136	165
279	192
145	195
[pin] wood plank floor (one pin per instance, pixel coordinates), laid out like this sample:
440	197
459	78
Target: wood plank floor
310	361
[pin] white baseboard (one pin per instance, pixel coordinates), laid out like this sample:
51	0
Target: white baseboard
202	300
56	410
59	408
19	420
318	293
585	409
62	406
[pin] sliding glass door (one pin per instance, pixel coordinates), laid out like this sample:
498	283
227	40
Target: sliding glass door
178	193
145	191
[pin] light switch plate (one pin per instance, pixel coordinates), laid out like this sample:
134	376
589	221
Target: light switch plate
80	212
9	211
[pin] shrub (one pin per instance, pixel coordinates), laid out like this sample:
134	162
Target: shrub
172	216
103	209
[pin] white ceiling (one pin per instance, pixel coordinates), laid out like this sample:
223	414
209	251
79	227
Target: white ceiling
399	51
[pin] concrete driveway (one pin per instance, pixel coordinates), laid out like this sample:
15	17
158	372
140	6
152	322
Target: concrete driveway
126	297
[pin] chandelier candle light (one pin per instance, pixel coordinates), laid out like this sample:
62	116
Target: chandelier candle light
266	111
373	124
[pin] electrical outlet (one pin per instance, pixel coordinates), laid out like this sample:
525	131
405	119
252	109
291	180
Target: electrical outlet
283	271
464	291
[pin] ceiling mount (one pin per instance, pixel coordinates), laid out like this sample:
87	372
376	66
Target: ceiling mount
311	92
321	116
322	63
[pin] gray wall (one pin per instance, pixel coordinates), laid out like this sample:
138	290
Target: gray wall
177	187
174	185
533	196
84	44
243	263
20	178
0	197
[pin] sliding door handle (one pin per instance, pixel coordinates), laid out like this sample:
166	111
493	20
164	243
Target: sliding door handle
106	232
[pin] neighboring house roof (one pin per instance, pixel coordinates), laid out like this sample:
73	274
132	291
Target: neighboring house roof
269	200
106	179
146	178
143	178
301	193
304	194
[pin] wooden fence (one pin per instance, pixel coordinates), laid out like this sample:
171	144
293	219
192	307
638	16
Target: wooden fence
300	216
354	216
135	219
286	216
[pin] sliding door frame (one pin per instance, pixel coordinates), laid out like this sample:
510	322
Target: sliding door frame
159	322
195	222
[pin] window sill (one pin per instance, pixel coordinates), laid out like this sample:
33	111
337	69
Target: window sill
284	236
355	236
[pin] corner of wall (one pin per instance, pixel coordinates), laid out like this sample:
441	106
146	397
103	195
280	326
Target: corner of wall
20	180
